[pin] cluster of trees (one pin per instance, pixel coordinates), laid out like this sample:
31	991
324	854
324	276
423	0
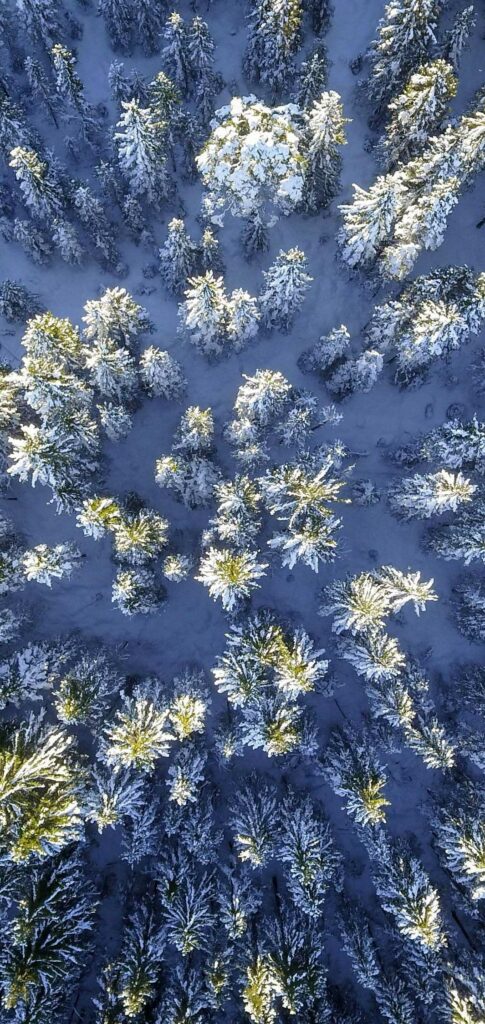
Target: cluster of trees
230	881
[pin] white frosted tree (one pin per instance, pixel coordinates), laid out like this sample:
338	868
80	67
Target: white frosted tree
420	497
418	111
274	35
43	564
367	222
230	576
325	133
406	33
161	374
178	257
39	187
141	146
252	162
203	314
286	284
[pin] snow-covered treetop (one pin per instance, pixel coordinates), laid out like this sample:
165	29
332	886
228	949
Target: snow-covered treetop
252	155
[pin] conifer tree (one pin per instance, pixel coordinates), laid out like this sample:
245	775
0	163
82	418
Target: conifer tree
161	374
49	936
325	125
457	37
175	53
40	795
140	141
139	961
115	316
463	538
419	111
273	38
420	497
40	18
39	187
368	222
405	35
254	822
306	848
352	769
40	87
148	18
230	576
203	314
312	78
178	257
140	732
137	592
119	21
43	564
93	217
286	283
247	135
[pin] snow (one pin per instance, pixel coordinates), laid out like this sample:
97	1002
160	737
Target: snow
190	628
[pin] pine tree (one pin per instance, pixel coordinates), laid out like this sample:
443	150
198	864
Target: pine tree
140	140
195	433
419	111
40	794
175	54
139	734
263	397
191	478
460	835
148	17
39	188
40	87
325	133
115	316
139	537
188	916
237	521
40	18
137	592
139	961
161	374
242	318
431	317
16	302
230	576
367	222
83	693
353	770
254	821
405	35
164	99
93	217
274	35
185	775
286	283
463	538
119	21
420	497
112	370
247	136
32	240
178	257
49	935
14	130
457	37
470	609
66	241
356	374
43	564
68	84
307	851
209	253
203	314
312	78
406	893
